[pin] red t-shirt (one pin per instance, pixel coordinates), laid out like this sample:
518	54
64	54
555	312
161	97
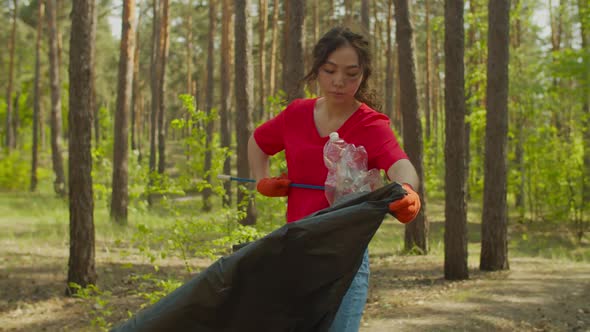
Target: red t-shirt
294	131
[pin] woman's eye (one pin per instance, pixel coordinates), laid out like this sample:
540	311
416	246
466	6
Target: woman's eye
328	71
353	74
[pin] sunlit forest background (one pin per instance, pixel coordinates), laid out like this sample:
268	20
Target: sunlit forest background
174	116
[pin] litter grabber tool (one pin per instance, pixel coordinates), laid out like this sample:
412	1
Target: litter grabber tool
297	185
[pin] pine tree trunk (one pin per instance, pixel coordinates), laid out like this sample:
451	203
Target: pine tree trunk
164	47
456	253
81	267
332	13
262	26
315	28
244	91
397	109
135	118
189	72
37	98
584	13
154	82
120	191
365	21
16	118
389	69
10	133
225	80
209	102
494	246
55	121
416	234
294	68
428	80
377	48
273	48
473	92
348	13
519	121
436	96
189	47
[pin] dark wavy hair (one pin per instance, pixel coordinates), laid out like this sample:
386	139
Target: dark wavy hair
338	37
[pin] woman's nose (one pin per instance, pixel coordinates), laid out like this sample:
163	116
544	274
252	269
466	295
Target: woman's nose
338	80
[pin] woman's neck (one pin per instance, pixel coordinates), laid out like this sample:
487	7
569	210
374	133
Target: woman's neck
338	110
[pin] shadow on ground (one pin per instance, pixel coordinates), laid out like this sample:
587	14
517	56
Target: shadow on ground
535	295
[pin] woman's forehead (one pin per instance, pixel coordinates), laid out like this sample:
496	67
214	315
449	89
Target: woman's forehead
345	56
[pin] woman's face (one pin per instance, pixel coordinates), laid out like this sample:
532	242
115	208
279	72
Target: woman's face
340	76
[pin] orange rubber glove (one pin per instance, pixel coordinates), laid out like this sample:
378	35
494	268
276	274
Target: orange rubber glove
407	208
274	187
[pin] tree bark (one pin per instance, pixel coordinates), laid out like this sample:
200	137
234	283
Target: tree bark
436	88
365	21
377	48
456	253
225	80
55	120
16	117
244	91
10	133
189	48
348	13
209	102
135	112
584	12
164	47
294	68
37	98
494	247
120	191
262	26
273	48
416	234
315	13
397	109
389	66
81	268
154	82
518	119
428	80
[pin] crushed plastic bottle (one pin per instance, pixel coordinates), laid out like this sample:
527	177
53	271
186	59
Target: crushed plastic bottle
347	169
333	150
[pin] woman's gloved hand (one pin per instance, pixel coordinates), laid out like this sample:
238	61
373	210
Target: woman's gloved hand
407	208
275	186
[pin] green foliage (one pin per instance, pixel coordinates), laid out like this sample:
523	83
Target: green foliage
14	171
194	236
100	308
434	168
152	288
192	173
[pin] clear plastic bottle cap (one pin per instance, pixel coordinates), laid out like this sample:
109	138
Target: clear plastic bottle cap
334	136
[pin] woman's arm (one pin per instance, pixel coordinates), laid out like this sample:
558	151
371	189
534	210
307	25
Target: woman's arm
403	171
257	159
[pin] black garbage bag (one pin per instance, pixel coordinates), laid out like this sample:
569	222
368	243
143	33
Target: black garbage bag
293	279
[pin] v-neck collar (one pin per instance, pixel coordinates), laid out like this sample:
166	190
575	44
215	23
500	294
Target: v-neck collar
340	130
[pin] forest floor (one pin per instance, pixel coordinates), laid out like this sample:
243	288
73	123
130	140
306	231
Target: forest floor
407	293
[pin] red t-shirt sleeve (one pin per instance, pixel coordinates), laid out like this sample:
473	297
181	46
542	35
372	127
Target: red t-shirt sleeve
270	135
386	150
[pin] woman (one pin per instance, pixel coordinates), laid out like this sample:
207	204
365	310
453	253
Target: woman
342	68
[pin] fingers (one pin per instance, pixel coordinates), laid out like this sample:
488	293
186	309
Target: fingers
400	204
407	208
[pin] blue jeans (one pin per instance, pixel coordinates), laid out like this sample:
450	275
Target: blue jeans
348	317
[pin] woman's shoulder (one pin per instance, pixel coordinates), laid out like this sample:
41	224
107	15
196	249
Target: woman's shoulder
370	116
301	104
